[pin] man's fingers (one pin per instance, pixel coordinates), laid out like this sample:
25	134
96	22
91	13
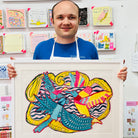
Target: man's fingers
12	58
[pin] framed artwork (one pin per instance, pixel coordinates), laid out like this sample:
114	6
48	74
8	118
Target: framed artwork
67	99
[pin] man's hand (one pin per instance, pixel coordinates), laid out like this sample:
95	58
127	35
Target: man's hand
11	70
122	74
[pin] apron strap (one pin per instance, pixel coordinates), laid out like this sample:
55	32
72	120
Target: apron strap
77	50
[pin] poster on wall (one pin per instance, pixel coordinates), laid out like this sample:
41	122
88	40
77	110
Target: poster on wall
67	99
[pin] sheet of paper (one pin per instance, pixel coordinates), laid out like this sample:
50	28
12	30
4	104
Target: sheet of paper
131	119
3	72
4	90
104	40
1	18
13	43
37	17
86	35
1	44
15	18
102	16
35	39
135	62
5	111
49	18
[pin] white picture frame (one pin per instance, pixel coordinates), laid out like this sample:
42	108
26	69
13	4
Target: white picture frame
112	126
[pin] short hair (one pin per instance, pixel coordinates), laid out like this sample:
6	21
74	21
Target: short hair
62	1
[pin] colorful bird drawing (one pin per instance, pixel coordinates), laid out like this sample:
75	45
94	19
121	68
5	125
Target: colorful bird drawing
67	102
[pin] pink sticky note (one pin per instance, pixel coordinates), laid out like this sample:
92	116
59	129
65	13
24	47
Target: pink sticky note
46	25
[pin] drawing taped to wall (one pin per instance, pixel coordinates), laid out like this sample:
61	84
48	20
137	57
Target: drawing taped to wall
102	16
83	12
15	18
1	19
1	44
104	40
36	38
37	17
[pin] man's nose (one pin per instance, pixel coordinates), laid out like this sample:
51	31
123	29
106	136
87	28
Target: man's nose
66	21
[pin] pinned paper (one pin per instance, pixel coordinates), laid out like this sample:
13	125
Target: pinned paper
83	16
1	44
49	18
104	40
102	16
131	119
3	72
86	35
14	43
15	18
5	111
1	19
35	39
37	17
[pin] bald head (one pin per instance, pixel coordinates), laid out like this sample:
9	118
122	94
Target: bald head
62	2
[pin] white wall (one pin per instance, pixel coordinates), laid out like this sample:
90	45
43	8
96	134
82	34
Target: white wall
125	25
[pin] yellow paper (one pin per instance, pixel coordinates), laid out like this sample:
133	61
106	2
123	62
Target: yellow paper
13	43
102	15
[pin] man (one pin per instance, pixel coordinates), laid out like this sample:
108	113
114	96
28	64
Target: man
65	19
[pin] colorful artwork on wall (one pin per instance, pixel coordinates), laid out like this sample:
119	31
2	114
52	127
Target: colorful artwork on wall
102	16
37	17
104	40
15	18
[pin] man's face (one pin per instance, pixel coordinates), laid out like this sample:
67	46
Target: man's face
65	19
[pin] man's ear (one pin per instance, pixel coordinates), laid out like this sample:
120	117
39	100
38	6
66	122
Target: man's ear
52	20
